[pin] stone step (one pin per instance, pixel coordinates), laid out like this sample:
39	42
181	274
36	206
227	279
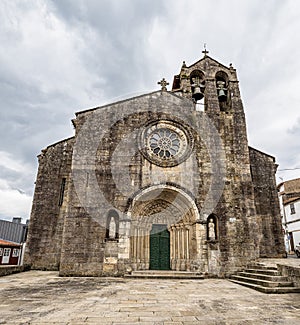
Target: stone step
273	272
267	277
276	290
262	267
158	274
260	282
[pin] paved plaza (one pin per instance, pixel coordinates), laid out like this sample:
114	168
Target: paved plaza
38	297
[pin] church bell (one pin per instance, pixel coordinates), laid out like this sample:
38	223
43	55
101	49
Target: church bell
196	88
197	93
222	96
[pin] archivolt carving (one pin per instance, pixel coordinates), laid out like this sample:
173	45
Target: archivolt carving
167	207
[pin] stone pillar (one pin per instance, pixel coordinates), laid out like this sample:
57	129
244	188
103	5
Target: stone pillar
202	249
177	245
124	240
182	248
135	248
187	242
173	247
147	250
143	250
139	247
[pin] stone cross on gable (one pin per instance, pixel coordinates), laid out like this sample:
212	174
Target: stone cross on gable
163	84
205	52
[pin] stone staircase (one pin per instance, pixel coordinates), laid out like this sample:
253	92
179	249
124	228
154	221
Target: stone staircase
157	274
266	279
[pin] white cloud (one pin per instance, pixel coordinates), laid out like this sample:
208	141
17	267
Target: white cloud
14	204
62	56
14	201
9	162
47	52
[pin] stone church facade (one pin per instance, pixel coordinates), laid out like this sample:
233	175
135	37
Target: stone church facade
162	181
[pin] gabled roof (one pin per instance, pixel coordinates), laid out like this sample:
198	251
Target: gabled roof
170	93
8	243
292	186
261	152
288	200
291	191
130	99
58	142
207	57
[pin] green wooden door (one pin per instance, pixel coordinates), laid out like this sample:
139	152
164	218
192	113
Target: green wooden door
159	248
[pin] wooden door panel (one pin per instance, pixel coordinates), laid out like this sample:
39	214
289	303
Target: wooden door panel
159	248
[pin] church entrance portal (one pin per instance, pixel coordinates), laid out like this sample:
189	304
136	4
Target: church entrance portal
163	230
159	248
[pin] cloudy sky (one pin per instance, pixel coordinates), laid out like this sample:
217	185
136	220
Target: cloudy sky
62	56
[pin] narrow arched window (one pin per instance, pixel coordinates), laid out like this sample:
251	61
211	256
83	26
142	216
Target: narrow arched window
222	90
62	191
197	81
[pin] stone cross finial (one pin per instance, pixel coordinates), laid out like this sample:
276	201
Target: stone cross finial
205	51
163	84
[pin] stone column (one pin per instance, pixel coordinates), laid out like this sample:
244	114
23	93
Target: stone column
187	242
143	247
177	247
173	247
124	240
188	262
182	250
139	247
135	246
147	249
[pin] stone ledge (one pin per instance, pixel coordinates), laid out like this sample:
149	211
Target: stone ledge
7	270
291	272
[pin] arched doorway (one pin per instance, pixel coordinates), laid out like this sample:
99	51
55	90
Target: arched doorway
163	229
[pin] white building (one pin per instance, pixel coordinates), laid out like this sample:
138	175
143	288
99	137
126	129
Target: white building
289	198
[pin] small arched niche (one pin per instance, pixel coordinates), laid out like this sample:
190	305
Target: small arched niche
222	89
212	227
112	225
197	81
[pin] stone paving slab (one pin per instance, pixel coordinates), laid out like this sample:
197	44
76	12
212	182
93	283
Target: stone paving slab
42	298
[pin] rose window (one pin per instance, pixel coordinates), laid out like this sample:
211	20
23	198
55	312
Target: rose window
164	143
